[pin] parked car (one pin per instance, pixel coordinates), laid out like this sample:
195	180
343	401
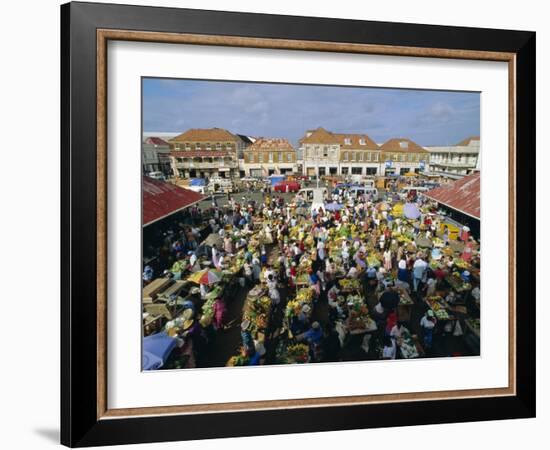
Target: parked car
157	176
287	186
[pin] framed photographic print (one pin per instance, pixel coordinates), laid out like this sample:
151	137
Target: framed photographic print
277	224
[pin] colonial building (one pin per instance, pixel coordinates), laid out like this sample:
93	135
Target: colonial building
455	161
400	156
268	156
328	153
206	153
155	156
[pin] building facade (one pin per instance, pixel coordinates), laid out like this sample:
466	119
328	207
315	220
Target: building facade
328	153
455	161
206	153
401	155
155	156
269	156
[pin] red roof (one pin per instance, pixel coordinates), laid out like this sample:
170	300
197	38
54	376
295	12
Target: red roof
155	141
161	199
462	195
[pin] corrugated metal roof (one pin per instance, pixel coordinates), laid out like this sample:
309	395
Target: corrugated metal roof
461	195
161	199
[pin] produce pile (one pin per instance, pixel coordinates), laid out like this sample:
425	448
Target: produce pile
408	346
257	310
358	317
303	297
436	304
292	354
457	283
350	284
474	323
238	360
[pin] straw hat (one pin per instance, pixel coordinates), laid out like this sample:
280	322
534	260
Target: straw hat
188	315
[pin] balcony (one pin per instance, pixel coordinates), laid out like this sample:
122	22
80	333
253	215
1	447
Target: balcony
206	163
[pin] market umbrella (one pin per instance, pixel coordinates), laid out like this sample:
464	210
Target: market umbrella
411	211
333	206
389	299
156	349
206	276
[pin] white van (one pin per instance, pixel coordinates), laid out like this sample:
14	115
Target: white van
157	176
220	185
356	191
309	194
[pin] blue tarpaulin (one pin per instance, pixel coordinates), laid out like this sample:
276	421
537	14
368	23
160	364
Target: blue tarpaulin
274	179
197	182
156	349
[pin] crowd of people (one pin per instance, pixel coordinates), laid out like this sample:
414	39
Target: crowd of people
349	238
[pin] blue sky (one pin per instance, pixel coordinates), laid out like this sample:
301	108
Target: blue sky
283	110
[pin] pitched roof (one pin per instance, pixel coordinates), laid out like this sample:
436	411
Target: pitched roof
462	195
155	141
205	135
355	141
467	141
402	145
322	136
161	199
267	144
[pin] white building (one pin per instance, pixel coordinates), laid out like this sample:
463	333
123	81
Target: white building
155	155
455	161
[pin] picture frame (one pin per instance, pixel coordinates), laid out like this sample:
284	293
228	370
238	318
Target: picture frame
86	28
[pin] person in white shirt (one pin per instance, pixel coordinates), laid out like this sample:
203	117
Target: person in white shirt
427	323
390	349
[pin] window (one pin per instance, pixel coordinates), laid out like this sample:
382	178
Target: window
325	151
345	170
317	152
371	170
352	156
270	157
369	156
261	156
362	141
322	171
280	156
197	146
187	147
218	146
357	171
361	156
376	156
410	157
347	141
289	157
345	156
404	144
395	156
208	147
403	157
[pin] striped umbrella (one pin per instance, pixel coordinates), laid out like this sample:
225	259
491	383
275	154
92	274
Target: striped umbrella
206	276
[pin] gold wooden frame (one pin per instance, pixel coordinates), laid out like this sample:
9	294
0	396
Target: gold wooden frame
103	36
